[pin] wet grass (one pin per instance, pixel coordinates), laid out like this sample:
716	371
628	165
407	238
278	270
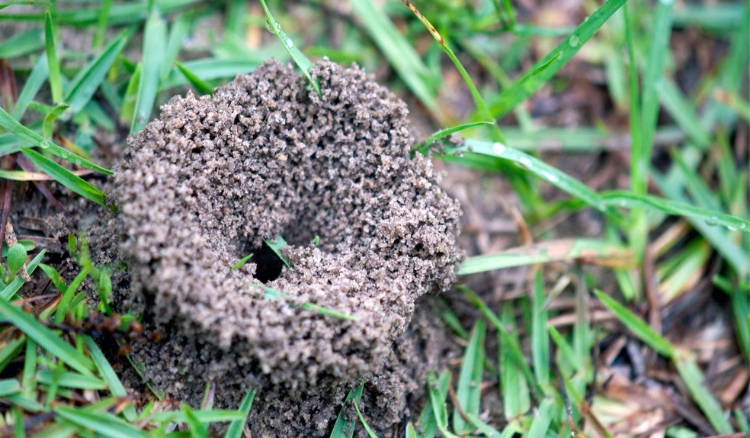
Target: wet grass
673	228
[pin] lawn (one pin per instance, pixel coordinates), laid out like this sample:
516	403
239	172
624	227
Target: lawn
602	171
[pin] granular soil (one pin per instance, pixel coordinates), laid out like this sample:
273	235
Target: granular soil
204	185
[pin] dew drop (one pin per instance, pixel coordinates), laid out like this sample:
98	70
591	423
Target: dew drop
551	177
525	162
574	41
498	148
742	226
289	43
712	222
278	27
269	27
44	144
731	228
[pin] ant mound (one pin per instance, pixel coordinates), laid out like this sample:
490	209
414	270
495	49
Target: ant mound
205	185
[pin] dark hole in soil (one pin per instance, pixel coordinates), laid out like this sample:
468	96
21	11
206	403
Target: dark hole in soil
269	265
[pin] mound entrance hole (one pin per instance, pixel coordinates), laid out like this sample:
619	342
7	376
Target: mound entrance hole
268	264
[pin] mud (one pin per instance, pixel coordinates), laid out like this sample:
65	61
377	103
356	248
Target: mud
202	187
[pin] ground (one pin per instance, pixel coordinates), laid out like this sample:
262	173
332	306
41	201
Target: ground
608	200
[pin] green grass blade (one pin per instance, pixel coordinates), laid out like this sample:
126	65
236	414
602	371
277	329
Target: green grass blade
55	82
543	70
428	421
437	400
109	376
712	217
514	378
543	419
410	431
478	100
546	252
154	46
276	246
101	25
470	379
210	69
10	290
483	427
652	80
202	416
540	334
48	124
199	84
369	431
8	387
538	167
178	32
343	427
235	429
401	55
11	350
102	423
67	298
197	429
46	338
299	58
127	111
696	383
32	86
638	326
79	91
22	44
14	126
241	262
65	177
448	131
70	380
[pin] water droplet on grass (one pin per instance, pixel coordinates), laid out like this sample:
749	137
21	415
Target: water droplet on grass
289	43
44	144
712	222
574	41
498	148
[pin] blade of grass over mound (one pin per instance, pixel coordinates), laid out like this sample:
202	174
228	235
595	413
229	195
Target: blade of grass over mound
299	58
235	429
24	133
46	339
592	250
685	364
470	379
65	177
272	294
400	53
55	83
514	373
276	245
343	427
80	90
484	111
154	46
541	72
